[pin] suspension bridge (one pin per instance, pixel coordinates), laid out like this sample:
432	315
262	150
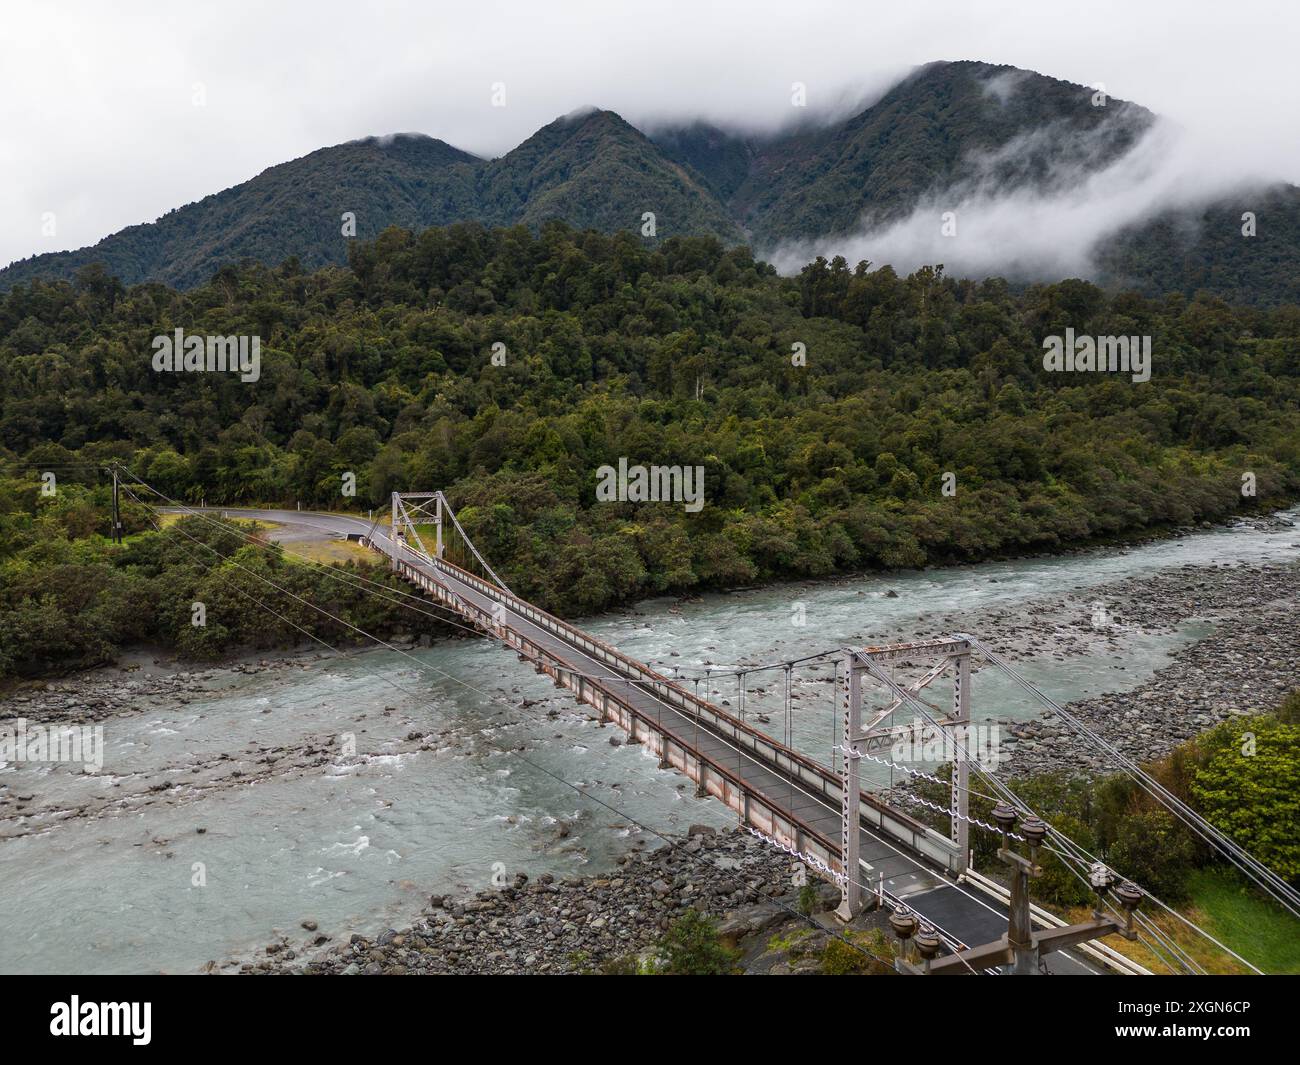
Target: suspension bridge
950	917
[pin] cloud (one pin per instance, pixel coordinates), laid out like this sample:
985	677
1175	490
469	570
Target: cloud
998	221
97	123
1005	85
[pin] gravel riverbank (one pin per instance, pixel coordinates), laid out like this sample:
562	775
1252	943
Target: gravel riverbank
576	924
1247	666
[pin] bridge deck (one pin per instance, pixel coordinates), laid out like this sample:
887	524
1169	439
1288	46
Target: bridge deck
902	873
961	911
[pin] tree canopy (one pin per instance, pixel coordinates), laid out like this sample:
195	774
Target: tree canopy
680	354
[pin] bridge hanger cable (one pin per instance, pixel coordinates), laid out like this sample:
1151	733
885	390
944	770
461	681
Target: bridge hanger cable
424	606
515	753
419	604
470	687
911	797
470	544
354	580
746	670
997	785
382	591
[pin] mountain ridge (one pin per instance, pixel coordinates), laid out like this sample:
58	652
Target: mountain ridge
945	124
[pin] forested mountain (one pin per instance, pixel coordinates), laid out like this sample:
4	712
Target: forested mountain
948	126
926	134
594	171
678	354
590	169
291	209
1192	250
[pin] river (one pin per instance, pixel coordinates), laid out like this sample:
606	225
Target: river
201	869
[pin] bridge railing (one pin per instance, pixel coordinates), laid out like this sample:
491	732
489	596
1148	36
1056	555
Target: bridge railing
811	774
757	808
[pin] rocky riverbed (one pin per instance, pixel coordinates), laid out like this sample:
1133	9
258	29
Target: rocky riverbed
1248	666
579	924
139	683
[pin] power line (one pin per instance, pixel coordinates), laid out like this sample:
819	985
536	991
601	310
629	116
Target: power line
351	579
503	750
1252	867
723	739
1007	793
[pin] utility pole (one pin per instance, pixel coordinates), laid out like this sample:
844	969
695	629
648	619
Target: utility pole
1021	949
1020	923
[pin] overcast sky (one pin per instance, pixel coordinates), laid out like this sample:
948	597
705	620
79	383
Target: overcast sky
98	122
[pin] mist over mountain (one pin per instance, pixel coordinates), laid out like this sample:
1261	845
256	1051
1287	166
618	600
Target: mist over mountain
935	130
1054	183
989	170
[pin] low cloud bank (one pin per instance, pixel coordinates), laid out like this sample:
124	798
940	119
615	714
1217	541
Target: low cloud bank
1000	221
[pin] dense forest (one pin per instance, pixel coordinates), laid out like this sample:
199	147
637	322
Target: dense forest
686	353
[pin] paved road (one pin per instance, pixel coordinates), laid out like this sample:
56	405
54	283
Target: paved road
962	911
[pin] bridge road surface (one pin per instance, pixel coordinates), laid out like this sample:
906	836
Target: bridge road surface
964	913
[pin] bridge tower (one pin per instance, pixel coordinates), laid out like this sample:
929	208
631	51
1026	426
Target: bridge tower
405	518
395	531
953	656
